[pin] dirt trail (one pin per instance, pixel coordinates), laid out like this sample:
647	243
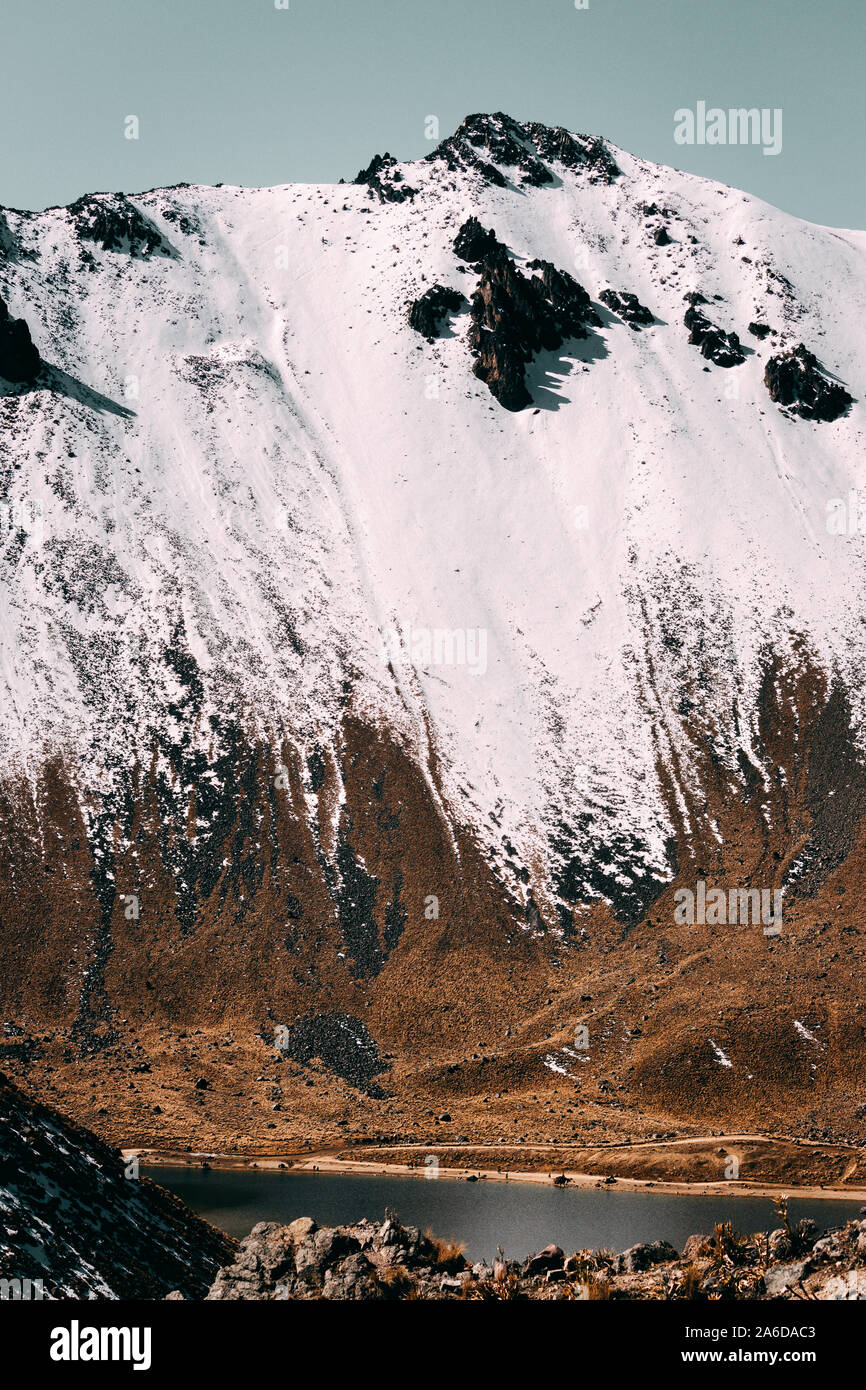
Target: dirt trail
767	1165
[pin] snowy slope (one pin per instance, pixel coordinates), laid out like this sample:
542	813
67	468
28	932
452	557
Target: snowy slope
241	453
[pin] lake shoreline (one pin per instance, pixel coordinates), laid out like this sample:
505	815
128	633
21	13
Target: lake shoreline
327	1164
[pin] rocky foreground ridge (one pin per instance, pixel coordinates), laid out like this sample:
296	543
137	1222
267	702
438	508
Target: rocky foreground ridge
392	1261
78	1222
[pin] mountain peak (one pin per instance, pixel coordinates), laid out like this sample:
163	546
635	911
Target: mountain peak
501	149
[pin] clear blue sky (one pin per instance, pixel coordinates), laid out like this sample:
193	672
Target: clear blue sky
237	91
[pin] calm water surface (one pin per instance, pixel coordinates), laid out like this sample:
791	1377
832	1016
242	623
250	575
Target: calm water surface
520	1217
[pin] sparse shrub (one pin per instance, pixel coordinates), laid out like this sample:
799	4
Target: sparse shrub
729	1247
507	1289
800	1235
447	1254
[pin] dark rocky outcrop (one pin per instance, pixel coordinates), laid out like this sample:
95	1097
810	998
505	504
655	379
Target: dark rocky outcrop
717	346
7	240
76	1217
385	181
115	224
506	142
184	219
570	307
19	357
759	330
514	316
394	1262
628	307
427	313
483	142
796	381
474	243
661	237
585	154
458	152
343	1043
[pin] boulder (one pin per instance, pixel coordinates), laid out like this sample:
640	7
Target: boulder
829	1247
366	1261
551	1257
716	346
778	1279
354	1278
628	307
332	1246
642	1257
796	381
426	314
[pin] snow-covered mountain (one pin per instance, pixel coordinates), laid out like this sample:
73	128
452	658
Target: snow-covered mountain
341	565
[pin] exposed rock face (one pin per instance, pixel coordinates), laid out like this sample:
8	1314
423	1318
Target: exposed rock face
585	153
795	380
514	316
628	306
116	224
70	1217
385	181
499	347
716	345
571	310
427	313
759	330
19	357
513	319
526	149
7	241
366	1261
661	237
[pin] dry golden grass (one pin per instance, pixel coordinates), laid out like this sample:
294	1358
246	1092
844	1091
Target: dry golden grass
446	1253
398	1283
